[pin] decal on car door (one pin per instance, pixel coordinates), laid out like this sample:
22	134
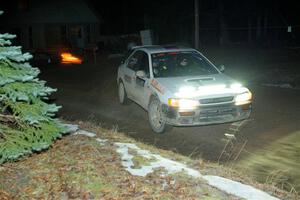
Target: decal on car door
157	86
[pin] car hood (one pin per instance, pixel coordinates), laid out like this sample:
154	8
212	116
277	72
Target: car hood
216	84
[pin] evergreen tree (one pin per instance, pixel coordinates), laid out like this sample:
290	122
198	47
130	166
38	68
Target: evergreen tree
26	120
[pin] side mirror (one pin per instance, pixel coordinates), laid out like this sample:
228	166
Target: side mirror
140	74
221	68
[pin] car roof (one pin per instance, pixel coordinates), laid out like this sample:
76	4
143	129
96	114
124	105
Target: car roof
162	48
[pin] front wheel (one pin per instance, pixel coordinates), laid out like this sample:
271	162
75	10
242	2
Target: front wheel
156	119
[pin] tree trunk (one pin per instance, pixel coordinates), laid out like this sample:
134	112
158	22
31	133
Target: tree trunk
223	36
258	27
196	6
265	23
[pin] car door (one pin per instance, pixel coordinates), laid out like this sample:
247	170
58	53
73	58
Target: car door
129	73
141	84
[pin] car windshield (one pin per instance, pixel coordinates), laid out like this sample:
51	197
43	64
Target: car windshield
185	63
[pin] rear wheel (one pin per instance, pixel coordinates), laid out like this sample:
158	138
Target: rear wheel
123	99
156	119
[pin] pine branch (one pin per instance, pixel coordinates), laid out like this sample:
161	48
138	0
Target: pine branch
26	120
8	118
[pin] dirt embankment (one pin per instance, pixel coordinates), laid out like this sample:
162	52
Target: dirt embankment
80	167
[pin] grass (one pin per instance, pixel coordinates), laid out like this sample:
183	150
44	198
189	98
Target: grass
278	164
77	167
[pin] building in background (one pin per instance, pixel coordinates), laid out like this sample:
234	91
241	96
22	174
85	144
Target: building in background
49	23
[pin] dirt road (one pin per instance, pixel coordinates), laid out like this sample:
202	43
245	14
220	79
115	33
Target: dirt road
88	92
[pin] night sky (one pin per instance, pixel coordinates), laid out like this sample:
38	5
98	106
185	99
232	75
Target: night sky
119	13
173	21
169	18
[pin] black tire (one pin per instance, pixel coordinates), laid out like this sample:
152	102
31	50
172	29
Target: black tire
156	118
123	99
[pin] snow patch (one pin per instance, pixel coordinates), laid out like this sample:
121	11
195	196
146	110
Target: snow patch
72	127
101	141
238	189
84	132
226	185
160	162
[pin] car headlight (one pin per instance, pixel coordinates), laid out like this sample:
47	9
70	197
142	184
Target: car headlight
186	92
183	103
243	98
236	86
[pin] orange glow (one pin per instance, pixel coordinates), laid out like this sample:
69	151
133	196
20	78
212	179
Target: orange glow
68	58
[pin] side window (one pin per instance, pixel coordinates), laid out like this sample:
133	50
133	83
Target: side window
134	61
139	61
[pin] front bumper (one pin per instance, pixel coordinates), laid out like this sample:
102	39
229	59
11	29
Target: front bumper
205	115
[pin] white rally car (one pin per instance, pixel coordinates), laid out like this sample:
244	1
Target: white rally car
180	87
